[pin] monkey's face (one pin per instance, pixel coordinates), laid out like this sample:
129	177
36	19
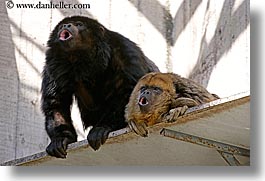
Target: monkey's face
76	33
70	34
150	100
149	97
154	95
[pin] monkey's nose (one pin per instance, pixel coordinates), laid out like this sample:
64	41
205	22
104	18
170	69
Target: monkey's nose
143	101
67	25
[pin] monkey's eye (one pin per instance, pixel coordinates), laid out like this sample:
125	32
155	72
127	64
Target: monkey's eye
79	24
60	27
158	90
143	88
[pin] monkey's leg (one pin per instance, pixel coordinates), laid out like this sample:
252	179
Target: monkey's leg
61	133
111	119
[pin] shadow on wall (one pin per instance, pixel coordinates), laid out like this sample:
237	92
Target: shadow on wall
19	113
180	15
210	53
23	36
9	89
23	123
222	41
208	56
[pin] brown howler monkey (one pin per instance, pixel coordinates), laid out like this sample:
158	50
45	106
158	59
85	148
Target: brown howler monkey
99	68
161	97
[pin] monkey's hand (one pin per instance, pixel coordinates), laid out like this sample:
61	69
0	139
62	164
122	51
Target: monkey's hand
175	113
97	136
58	145
139	127
180	106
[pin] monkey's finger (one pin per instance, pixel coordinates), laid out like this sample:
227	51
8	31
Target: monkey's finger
54	149
133	127
183	110
142	129
139	129
93	140
174	114
98	136
59	154
59	148
104	136
50	151
63	148
130	125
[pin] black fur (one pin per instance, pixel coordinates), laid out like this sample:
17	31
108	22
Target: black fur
105	69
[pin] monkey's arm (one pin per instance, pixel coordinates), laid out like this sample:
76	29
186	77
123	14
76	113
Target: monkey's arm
111	120
190	94
183	101
58	123
178	108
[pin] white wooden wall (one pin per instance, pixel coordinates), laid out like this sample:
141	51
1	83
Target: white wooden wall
205	40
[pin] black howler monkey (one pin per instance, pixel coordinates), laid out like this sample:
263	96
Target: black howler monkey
99	68
161	97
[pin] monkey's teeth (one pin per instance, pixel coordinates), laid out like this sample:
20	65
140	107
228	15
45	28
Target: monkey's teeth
143	101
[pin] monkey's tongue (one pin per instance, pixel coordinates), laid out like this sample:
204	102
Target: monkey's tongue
143	101
65	35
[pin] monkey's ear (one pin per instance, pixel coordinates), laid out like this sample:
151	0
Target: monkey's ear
179	88
102	30
177	82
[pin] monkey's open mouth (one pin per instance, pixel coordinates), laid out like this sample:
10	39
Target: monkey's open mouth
65	35
143	101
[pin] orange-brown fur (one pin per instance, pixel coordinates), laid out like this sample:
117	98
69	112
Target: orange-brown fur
173	87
